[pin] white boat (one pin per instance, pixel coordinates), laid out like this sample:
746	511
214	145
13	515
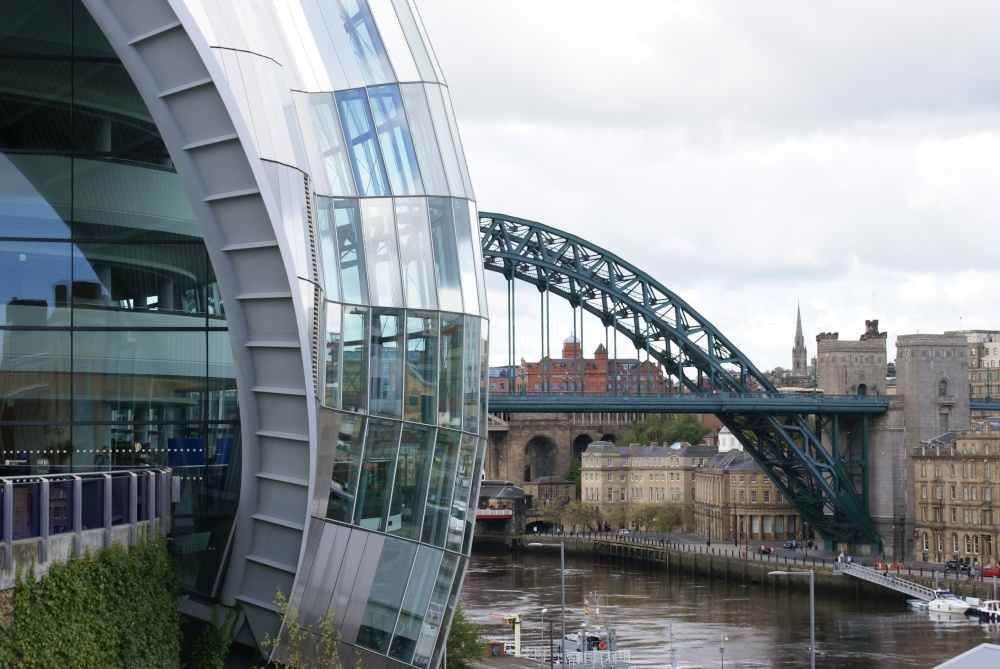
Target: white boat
946	602
989	610
917	604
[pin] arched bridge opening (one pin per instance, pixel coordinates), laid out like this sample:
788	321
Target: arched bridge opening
829	488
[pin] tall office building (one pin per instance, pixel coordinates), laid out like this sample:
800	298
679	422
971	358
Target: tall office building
240	239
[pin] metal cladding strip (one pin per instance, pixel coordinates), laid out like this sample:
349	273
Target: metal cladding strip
188	96
691	349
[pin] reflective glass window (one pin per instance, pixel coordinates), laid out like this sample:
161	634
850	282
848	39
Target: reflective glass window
419	587
460	514
437	513
416	449
382	254
467	255
421	375
35	195
385	598
331	396
378	470
386	360
331	145
354	278
37	28
365	41
437	608
472	375
484	373
418	48
446	100
346	468
424	141
445	140
30	273
127	201
168	285
416	254
35	395
446	268
35	104
354	373
392	38
328	250
450	376
109	115
362	142
394	138
477	248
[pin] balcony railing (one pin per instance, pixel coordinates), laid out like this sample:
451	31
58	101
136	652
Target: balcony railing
53	507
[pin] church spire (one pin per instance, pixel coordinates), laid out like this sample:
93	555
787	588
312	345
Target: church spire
799	350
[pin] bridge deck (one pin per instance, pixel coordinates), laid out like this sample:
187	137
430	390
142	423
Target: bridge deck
769	403
887	580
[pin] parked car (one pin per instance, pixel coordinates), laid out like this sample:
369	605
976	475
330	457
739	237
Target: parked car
956	566
622	532
990	572
765	550
792	544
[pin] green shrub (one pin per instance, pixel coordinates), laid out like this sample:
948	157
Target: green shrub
115	608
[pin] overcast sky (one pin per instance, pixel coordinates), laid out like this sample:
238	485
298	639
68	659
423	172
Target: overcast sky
749	155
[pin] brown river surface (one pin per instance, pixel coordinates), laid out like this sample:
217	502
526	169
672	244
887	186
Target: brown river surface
765	626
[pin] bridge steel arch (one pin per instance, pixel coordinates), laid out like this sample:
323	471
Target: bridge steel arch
827	488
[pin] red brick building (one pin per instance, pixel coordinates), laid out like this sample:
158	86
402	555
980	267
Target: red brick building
599	374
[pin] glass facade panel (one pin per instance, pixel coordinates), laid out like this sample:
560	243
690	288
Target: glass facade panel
170	284
328	249
466	473
336	167
35	195
424	142
438	510
359	130
355	362
382	253
421	373
446	143
124	200
471	375
346	468
466	255
378	470
382	610
446	268
43	84
415	456
411	614
350	242
37	28
435	618
28	273
450	377
394	138
421	57
109	116
416	253
365	41
331	375
385	353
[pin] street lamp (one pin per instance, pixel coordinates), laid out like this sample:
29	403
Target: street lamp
812	609
551	659
722	652
562	588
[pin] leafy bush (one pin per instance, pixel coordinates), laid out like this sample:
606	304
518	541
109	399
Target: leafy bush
114	608
465	640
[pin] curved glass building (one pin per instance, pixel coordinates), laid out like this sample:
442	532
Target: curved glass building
240	240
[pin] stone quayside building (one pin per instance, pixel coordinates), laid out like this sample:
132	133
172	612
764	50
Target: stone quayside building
240	240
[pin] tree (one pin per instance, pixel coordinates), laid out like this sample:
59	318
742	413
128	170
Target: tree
616	515
641	516
465	640
680	427
574	474
580	514
672	515
298	646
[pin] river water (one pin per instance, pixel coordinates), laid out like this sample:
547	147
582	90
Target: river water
766	627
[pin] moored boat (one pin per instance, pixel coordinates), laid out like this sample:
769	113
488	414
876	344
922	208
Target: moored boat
989	610
946	602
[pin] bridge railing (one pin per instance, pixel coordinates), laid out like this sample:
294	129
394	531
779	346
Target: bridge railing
698	397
